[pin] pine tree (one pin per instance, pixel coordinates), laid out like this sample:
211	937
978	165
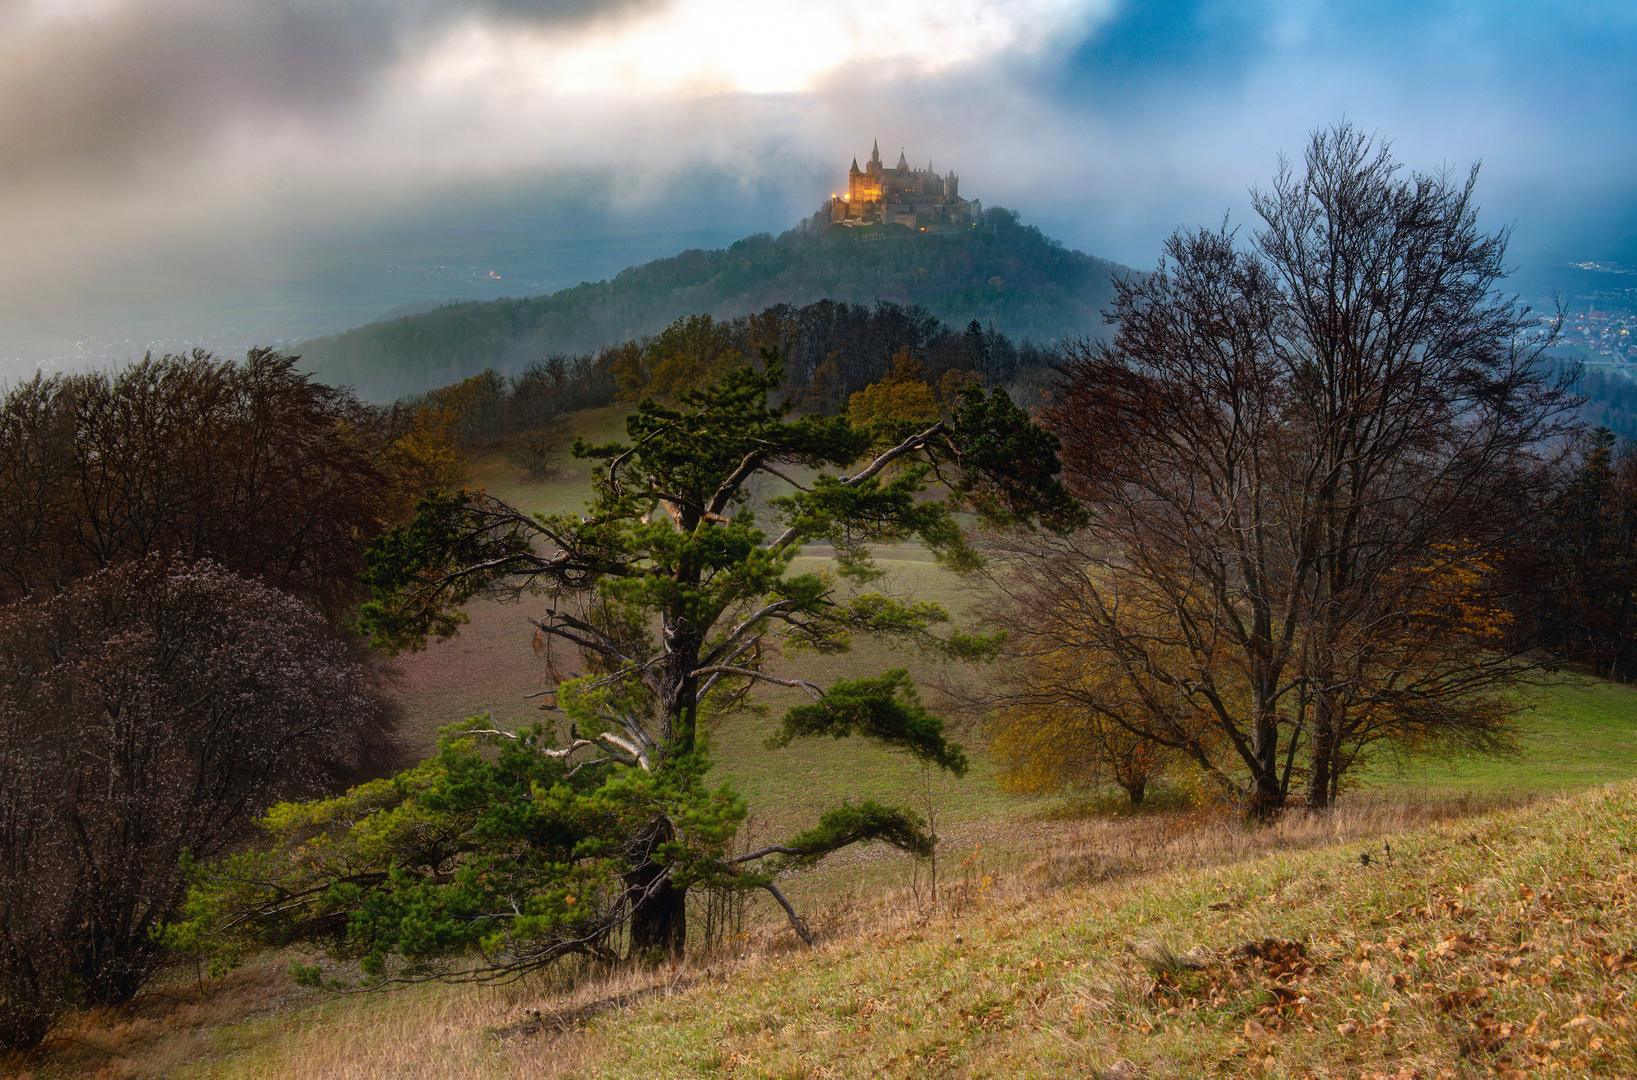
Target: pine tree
559	846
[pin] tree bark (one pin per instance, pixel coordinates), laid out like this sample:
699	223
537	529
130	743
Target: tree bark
1267	794
659	921
659	915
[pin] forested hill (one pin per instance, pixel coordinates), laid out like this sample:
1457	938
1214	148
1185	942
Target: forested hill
998	271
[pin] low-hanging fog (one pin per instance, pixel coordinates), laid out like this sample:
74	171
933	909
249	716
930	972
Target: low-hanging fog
238	171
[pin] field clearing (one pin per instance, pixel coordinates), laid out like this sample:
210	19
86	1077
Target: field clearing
1576	732
1053	948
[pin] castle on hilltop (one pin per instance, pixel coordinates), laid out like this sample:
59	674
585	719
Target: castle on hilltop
903	196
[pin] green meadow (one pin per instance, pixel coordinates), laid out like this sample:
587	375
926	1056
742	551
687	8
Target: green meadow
1052	946
1575	732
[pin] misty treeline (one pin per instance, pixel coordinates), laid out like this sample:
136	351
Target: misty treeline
832	351
1582	570
999	271
179	562
1610	397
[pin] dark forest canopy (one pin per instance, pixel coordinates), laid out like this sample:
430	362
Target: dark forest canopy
832	350
1001	272
1611	397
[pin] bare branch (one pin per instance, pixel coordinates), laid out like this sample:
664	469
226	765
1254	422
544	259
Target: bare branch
813	691
762	853
724	491
543	751
729	660
799	487
629	747
797	923
633	729
747	624
908	446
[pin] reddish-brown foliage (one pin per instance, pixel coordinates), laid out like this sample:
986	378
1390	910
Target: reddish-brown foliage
253	465
146	714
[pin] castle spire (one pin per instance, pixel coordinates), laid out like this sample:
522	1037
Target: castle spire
902	162
875	152
855	163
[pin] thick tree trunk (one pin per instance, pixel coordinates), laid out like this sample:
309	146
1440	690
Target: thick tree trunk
659	915
660	922
1268	794
1321	777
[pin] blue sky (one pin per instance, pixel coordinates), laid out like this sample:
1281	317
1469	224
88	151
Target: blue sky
1545	95
197	169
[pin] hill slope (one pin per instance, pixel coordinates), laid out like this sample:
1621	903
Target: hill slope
998	271
1496	945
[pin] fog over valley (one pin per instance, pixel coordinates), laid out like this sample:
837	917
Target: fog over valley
183	171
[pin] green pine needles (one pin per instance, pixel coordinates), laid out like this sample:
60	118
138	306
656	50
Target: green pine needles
512	849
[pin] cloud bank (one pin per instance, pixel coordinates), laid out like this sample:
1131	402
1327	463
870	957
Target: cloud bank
152	149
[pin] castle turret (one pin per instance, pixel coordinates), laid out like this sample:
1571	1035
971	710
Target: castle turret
900	195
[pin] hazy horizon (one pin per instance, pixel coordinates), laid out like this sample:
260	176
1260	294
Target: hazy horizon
181	170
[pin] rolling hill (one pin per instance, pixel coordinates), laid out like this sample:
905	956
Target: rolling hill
997	270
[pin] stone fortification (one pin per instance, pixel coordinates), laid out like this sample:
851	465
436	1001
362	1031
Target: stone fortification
919	198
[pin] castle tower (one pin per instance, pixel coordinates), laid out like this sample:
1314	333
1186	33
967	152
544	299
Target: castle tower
900	195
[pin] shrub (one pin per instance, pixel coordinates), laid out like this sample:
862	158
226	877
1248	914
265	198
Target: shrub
147	714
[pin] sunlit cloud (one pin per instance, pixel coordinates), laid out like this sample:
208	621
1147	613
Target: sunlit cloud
125	123
141	134
698	47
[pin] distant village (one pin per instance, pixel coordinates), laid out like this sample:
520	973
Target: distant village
1604	333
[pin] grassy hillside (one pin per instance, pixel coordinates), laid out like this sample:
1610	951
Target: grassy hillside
1501	943
1065	941
998	271
1490	945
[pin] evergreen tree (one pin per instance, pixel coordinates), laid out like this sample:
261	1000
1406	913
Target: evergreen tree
560	845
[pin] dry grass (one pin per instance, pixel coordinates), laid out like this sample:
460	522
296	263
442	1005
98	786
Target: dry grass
172	1025
1498	945
1021	861
256	1024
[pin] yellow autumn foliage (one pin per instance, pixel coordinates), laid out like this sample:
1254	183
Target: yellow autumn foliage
901	397
690	351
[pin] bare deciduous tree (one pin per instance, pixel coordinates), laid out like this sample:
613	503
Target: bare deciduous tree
146	714
1303	456
252	464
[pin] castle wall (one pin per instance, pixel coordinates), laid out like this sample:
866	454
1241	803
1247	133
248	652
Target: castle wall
903	196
